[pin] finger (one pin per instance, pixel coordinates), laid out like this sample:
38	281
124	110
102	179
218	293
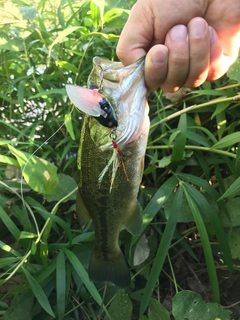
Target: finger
150	21
199	44
224	17
178	58
156	66
136	35
219	63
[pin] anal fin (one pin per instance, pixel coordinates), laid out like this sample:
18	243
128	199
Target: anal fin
82	212
134	222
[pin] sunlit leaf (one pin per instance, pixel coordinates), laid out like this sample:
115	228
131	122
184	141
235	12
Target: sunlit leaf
27	235
234	70
38	173
28	12
69	126
62	35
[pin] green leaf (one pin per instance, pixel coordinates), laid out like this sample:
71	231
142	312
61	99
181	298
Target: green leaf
69	126
62	35
52	217
232	191
205	244
7	248
212	92
221	123
189	305
157	311
212	216
180	141
162	251
65	186
233	220
97	8
234	70
61	284
28	12
20	93
68	66
9	13
21	307
38	293
82	273
27	235
162	163
121	305
7	261
6	159
227	141
46	93
60	16
40	175
234	242
221	106
9	223
158	200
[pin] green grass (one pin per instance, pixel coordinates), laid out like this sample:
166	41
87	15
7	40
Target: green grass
189	193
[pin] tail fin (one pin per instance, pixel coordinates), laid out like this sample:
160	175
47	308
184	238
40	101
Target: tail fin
114	270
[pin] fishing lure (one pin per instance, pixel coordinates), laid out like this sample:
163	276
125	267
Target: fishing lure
92	102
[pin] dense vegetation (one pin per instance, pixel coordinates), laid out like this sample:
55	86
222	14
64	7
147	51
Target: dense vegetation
187	257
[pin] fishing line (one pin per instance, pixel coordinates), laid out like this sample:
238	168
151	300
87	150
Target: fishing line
21	181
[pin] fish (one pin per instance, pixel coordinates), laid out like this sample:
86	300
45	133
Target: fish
111	161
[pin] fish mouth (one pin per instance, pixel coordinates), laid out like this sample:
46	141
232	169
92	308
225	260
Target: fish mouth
124	87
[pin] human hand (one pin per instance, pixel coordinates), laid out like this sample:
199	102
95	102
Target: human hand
185	42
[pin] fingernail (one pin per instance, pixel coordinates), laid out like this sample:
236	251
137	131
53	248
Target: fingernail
178	33
159	57
198	29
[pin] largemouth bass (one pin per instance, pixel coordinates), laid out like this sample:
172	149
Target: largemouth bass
111	161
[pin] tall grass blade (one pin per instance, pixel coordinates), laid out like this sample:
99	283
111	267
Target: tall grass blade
162	250
61	285
206	246
215	222
38	293
11	226
82	273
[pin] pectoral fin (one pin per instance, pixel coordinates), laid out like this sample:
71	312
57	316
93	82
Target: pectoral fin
82	213
134	222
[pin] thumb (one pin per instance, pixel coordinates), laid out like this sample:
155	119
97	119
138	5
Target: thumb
136	35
